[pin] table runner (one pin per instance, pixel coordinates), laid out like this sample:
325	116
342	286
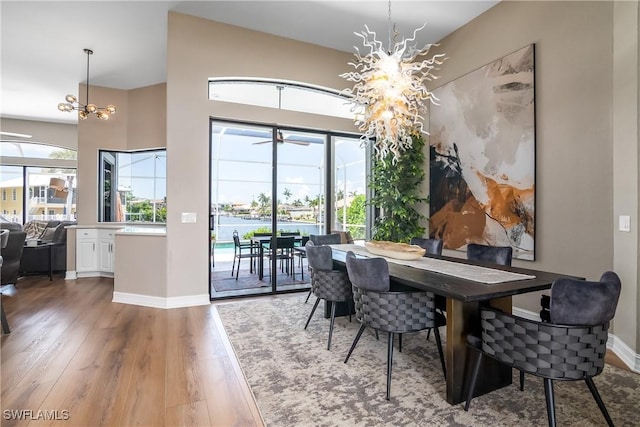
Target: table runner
450	268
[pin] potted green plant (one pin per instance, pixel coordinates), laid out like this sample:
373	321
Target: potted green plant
396	194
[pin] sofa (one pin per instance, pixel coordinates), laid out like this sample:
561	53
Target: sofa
35	259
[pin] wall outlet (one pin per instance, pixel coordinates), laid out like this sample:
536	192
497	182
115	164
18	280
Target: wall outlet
188	217
624	223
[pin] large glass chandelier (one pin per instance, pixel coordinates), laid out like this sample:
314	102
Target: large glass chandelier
72	103
389	90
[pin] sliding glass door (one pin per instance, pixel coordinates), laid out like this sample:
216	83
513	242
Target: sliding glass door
271	187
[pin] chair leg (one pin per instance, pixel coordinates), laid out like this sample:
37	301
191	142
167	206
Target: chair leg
436	333
521	380
308	295
233	267
474	376
331	322
400	343
355	341
5	322
598	399
389	363
551	403
428	333
238	270
313	310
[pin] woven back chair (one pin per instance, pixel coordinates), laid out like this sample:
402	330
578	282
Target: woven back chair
570	347
325	239
389	310
319	240
500	255
432	246
326	283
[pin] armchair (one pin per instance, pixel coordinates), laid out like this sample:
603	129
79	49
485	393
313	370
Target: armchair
11	255
35	259
570	347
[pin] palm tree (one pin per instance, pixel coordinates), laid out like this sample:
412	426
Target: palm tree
264	202
286	193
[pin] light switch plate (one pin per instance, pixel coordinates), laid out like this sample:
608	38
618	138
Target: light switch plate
624	223
188	217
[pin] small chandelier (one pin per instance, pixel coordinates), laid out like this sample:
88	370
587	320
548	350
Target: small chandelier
103	113
389	90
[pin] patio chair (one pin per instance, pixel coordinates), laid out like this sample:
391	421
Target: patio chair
238	248
284	253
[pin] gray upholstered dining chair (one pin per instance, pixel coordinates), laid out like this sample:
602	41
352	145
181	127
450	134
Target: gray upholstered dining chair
323	239
492	254
432	246
326	283
570	347
395	311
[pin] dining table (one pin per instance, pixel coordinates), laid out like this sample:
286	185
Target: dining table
466	286
259	243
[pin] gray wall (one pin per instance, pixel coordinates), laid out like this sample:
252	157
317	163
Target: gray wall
577	186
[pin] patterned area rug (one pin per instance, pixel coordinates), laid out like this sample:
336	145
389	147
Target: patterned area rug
297	382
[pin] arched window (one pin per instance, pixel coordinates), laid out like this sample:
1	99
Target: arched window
282	94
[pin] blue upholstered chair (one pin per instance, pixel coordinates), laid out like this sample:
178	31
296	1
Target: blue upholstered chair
384	309
570	347
326	283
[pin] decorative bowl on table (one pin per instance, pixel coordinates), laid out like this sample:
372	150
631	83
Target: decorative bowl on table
394	250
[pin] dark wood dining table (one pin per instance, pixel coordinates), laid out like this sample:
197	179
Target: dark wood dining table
463	300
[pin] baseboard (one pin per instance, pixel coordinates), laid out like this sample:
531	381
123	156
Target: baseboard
70	275
615	344
624	352
161	302
521	312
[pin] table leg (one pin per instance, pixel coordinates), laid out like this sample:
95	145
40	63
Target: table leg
261	262
50	263
463	319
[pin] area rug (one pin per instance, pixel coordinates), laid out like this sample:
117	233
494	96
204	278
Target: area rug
298	382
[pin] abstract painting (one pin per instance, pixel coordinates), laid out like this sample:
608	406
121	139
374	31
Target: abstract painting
482	157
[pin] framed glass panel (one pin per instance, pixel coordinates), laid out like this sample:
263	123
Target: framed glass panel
11	179
133	185
349	187
52	194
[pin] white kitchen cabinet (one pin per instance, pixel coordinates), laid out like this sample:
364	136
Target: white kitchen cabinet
95	251
106	241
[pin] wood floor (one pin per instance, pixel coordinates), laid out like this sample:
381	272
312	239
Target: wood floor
75	354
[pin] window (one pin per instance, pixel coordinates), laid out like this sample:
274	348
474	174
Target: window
133	185
29	178
282	94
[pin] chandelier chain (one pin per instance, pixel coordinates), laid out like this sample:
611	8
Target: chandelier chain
389	27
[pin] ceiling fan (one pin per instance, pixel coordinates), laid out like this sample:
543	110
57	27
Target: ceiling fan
281	139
